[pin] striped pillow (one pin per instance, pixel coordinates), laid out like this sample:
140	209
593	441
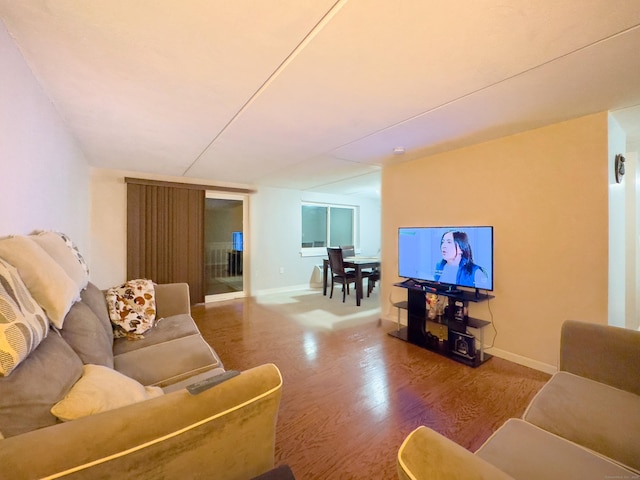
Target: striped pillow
23	323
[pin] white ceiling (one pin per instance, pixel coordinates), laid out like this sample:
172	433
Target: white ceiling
315	95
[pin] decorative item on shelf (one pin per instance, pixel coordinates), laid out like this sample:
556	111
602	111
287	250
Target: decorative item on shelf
619	167
459	310
463	344
432	305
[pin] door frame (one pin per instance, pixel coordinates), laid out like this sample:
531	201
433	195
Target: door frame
246	257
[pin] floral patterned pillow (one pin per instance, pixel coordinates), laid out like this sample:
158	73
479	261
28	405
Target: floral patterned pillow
132	308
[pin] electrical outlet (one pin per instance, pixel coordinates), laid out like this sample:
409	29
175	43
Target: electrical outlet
281	269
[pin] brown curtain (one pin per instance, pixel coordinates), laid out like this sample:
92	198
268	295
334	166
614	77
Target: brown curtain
165	234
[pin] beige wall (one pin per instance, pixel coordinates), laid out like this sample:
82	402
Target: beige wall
545	192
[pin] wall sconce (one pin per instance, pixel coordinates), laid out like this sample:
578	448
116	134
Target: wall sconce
619	167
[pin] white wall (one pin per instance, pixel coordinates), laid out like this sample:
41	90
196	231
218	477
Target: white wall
617	225
631	241
276	223
634	241
273	239
44	175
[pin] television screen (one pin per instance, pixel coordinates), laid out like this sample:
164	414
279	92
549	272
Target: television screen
237	241
460	256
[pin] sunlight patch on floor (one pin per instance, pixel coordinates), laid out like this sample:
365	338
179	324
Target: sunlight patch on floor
313	310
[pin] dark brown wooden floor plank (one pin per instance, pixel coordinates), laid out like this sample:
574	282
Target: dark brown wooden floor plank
351	395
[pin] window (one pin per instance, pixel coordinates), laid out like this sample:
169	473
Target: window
327	226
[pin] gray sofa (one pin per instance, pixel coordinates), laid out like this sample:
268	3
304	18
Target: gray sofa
584	423
225	432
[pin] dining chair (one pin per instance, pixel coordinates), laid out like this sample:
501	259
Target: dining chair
348	251
373	275
338	273
372	278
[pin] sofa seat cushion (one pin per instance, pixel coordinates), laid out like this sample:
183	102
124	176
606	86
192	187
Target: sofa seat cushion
168	362
40	381
83	332
590	413
166	329
525	451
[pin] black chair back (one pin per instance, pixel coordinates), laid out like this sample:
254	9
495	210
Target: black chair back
348	251
335	261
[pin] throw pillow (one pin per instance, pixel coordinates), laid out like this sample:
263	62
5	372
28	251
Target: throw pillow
75	251
63	251
101	389
23	324
95	299
132	307
84	332
47	281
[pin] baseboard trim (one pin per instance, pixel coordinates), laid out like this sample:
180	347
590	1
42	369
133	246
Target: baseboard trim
512	357
525	361
290	288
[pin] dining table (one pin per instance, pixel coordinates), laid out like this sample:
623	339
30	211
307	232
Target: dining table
358	263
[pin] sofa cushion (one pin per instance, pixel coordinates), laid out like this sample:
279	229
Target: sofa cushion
170	328
168	362
590	413
23	324
84	332
132	307
65	254
525	451
101	389
47	281
94	298
41	380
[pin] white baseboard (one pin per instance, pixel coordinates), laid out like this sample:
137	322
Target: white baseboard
512	357
520	360
290	288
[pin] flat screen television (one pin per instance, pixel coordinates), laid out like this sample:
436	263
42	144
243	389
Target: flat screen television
236	238
447	256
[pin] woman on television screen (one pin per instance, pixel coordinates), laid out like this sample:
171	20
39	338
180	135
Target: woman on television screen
456	266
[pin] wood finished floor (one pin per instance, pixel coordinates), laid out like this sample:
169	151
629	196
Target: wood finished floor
352	395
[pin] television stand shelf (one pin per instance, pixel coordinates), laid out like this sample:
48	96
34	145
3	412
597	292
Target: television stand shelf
437	334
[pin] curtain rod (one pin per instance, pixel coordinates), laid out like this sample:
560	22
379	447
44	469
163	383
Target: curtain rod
191	186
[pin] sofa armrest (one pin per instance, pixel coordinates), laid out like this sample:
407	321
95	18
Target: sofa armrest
172	299
602	353
226	432
425	454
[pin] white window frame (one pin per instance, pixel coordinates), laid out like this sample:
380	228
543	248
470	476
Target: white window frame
322	251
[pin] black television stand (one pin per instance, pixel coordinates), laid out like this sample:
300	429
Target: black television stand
445	335
432	287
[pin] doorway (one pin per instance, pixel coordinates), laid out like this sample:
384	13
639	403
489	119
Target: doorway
225	242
